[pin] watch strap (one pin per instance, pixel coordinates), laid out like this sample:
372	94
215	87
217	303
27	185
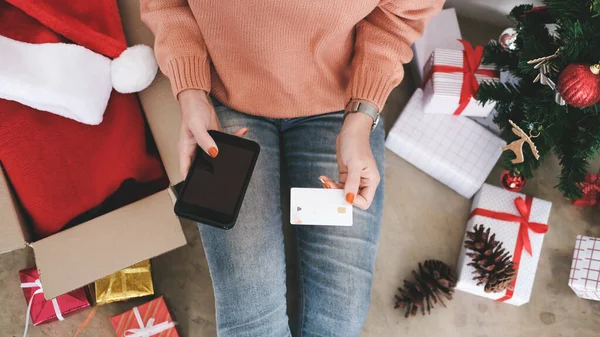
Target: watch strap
365	107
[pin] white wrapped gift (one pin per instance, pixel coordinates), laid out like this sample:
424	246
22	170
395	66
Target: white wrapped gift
519	222
442	31
454	150
452	80
488	122
584	278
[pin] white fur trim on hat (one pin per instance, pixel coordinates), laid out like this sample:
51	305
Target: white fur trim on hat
134	69
70	80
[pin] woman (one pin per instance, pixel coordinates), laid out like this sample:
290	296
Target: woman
286	70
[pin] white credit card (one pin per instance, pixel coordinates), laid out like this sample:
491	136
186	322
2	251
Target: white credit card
319	206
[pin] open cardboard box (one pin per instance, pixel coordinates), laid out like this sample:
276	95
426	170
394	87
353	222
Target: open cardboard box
144	229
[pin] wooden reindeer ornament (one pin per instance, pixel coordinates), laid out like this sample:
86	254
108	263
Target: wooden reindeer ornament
517	145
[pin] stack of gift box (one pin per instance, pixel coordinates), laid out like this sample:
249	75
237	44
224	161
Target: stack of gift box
436	131
445	132
149	319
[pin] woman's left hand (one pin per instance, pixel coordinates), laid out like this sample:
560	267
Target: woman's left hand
358	173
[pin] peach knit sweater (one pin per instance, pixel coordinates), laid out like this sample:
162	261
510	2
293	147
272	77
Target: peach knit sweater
286	58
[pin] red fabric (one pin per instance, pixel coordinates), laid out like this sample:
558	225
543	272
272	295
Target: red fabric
523	242
471	62
59	168
95	25
42	311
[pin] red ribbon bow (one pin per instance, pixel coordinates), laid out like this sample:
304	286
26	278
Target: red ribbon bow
591	190
523	241
471	62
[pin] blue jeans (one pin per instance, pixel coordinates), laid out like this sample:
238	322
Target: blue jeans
247	263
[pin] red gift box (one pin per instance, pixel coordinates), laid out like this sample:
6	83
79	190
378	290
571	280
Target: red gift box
42	310
149	319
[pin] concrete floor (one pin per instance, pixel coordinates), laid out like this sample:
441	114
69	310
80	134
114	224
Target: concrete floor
422	219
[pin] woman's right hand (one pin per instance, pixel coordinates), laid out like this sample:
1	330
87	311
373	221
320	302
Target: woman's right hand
198	116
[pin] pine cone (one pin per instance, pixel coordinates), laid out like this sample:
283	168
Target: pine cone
493	264
434	279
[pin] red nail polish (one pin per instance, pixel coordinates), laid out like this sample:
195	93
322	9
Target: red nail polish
213	152
350	198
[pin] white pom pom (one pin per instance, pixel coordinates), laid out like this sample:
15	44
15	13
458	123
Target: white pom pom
134	69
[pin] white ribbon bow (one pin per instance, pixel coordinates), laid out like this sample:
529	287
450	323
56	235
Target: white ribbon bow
38	284
149	329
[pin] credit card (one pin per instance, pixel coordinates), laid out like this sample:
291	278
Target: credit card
319	206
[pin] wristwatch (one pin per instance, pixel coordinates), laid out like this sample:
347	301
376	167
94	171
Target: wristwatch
367	108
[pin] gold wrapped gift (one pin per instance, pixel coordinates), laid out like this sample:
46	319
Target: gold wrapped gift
132	282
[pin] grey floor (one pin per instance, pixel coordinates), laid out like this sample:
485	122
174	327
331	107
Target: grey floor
422	219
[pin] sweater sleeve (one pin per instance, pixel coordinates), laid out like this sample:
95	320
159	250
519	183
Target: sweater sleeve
383	44
179	46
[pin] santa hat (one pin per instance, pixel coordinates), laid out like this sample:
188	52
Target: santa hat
72	80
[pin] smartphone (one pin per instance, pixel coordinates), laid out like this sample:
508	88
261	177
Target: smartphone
214	188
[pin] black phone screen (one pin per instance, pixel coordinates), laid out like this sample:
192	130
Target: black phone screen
217	183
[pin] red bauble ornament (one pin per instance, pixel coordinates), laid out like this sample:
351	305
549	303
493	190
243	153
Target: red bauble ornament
579	85
512	182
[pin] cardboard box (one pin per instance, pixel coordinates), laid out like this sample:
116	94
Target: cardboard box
147	228
452	149
442	31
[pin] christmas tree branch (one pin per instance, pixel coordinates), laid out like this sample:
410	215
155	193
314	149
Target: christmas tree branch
570	133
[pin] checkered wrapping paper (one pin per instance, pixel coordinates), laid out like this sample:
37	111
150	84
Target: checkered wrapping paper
499	200
442	91
488	123
452	149
584	278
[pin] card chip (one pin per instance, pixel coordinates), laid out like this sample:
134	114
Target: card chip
341	210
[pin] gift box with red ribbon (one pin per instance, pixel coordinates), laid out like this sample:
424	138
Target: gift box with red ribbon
519	223
452	80
457	152
147	320
42	310
584	278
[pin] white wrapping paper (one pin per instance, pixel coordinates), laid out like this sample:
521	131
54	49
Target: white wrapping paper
454	150
488	122
584	278
442	91
442	31
499	200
